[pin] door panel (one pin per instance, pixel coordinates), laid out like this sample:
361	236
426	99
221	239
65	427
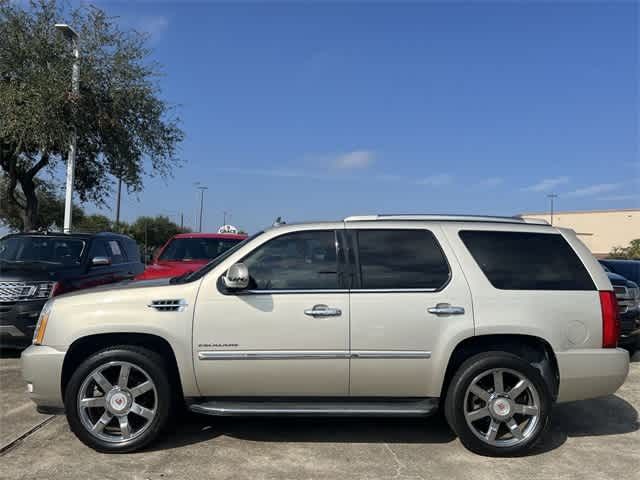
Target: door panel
395	324
267	340
254	330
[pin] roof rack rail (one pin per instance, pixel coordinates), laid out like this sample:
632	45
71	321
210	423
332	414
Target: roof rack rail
444	218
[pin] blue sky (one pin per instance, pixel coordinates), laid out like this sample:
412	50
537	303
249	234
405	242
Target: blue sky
318	111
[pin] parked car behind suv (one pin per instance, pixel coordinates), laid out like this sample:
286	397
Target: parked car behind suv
628	298
629	269
187	252
491	319
37	266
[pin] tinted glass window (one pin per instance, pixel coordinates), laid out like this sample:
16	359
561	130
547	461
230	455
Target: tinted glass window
115	252
180	249
296	261
527	261
98	249
59	250
401	259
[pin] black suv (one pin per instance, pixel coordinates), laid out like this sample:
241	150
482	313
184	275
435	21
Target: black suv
37	266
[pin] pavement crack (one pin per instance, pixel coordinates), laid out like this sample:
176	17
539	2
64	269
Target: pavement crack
16	441
400	466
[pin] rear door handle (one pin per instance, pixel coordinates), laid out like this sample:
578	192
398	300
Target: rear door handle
446	309
322	310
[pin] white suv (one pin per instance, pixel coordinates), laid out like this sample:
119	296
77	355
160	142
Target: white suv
492	319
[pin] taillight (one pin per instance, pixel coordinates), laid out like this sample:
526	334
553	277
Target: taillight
57	289
610	319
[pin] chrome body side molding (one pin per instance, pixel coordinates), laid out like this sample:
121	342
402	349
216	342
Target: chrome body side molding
311	355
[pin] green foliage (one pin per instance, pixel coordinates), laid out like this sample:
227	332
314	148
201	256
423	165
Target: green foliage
631	252
50	212
153	232
124	128
93	224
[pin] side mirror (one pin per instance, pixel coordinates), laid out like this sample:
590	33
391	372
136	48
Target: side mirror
100	261
237	277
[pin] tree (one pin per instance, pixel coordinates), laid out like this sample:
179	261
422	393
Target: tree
124	128
631	252
153	232
95	223
50	211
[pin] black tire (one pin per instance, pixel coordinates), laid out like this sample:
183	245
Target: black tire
456	397
153	365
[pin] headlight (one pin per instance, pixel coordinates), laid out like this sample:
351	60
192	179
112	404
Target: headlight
41	326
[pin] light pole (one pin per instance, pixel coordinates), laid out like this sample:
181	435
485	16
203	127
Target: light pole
202	188
71	35
551	197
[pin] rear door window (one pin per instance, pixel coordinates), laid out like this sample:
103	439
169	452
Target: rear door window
527	261
401	259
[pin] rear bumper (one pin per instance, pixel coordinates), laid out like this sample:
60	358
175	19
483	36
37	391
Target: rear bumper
591	373
42	370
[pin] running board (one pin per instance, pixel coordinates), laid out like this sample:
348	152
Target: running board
398	408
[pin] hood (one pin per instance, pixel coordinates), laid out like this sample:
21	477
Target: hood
126	285
164	269
619	280
38	271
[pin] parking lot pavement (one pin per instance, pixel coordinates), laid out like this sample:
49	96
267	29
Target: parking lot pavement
594	439
17	414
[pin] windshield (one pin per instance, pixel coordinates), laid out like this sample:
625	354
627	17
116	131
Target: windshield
184	249
58	250
214	263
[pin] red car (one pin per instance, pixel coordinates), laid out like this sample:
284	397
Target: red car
187	252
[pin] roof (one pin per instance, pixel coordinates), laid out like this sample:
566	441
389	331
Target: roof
547	213
83	235
232	236
443	218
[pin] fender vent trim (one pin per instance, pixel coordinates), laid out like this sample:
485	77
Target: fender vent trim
171	305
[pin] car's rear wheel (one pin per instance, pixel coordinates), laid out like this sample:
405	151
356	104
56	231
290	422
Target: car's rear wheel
498	404
118	399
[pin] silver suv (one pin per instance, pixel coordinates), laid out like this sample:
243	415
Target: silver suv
490	319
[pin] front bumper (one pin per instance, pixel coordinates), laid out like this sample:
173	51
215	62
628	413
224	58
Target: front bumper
17	322
42	370
591	373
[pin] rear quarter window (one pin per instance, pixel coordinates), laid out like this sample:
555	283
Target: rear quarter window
527	261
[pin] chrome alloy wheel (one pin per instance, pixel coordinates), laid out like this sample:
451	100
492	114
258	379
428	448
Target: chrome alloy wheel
502	407
117	402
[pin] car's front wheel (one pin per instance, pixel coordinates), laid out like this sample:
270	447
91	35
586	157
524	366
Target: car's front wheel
118	400
498	404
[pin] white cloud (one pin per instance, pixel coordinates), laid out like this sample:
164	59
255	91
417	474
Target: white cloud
593	190
353	160
546	184
436	180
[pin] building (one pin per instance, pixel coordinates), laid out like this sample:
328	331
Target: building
600	230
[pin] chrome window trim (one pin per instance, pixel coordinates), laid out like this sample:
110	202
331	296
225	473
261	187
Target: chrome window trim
393	290
313	355
269	292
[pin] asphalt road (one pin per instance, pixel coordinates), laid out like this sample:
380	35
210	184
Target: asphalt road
594	439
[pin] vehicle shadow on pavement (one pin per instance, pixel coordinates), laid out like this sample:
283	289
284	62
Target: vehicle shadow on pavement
609	415
199	428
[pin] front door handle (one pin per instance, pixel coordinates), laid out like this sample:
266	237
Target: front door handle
446	309
322	310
